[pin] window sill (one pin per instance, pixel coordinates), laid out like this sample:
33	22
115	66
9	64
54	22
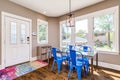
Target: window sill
43	43
109	52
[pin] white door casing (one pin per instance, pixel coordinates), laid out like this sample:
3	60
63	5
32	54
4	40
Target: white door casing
16	47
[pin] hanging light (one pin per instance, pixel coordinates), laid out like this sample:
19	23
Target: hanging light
70	17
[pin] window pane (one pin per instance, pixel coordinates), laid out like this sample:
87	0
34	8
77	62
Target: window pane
103	32
23	33
13	33
66	35
42	33
81	31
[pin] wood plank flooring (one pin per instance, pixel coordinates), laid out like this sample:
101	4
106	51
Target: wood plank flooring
45	73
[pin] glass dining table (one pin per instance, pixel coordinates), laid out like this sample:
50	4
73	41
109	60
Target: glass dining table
91	55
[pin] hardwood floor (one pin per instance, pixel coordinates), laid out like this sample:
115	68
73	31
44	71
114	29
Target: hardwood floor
46	74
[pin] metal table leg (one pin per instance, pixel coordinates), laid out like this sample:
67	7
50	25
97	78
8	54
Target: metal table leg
92	66
96	60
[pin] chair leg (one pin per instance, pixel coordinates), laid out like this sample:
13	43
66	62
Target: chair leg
69	61
59	66
86	69
53	65
79	70
69	72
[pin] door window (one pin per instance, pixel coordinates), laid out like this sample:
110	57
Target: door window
23	33
13	33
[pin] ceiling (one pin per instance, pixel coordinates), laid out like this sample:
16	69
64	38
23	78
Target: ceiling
55	8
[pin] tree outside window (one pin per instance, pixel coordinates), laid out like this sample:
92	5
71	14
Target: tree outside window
81	32
103	32
42	31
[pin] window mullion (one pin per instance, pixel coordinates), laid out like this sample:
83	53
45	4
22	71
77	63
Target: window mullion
90	32
72	35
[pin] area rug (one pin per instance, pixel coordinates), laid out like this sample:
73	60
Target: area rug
45	73
13	72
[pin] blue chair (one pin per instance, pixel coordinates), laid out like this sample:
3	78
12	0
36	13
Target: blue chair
75	64
86	48
86	64
57	59
70	47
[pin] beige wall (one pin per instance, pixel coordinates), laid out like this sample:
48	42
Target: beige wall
109	58
53	33
9	7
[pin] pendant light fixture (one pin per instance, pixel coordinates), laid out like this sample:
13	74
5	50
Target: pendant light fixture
70	17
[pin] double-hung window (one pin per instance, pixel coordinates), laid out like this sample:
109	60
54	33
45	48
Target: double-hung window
65	33
99	30
104	32
42	30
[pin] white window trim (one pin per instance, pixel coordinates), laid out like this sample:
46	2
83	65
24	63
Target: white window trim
90	18
60	23
39	21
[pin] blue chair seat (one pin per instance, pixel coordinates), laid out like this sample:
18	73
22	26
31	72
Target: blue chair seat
79	63
83	59
59	58
86	64
62	58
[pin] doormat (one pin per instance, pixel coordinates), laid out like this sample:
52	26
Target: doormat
13	72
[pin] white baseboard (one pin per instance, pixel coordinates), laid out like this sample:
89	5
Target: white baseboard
33	59
108	65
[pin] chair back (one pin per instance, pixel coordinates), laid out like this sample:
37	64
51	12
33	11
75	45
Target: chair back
73	56
54	53
86	48
71	47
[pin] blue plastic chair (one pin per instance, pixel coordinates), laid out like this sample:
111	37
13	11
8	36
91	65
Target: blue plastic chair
57	59
75	64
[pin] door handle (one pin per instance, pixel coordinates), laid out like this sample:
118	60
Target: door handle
28	40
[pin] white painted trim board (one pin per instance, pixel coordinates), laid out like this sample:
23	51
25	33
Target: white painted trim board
107	65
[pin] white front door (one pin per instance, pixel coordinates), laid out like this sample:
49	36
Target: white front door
17	41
